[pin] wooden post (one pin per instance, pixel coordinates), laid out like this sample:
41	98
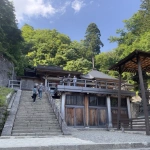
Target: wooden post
46	87
143	97
119	99
86	103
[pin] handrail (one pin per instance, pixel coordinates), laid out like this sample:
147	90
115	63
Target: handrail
14	83
92	83
58	115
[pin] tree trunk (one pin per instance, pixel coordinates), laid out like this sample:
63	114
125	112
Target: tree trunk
93	61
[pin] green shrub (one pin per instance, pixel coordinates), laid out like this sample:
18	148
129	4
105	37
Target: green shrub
3	93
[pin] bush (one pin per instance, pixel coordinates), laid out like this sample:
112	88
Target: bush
3	93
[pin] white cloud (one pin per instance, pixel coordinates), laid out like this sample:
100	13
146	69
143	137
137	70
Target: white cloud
45	8
33	8
77	5
64	7
91	2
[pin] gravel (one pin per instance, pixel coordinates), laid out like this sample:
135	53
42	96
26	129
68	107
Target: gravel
112	136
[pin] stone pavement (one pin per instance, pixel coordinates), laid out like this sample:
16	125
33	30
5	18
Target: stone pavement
93	139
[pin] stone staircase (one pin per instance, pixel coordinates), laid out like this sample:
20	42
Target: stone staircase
35	118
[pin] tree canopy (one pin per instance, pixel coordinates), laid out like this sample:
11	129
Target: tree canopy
10	39
92	41
31	47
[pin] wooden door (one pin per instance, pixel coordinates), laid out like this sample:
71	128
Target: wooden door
79	117
102	117
70	116
93	118
123	115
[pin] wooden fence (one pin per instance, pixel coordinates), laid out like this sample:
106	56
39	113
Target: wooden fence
134	124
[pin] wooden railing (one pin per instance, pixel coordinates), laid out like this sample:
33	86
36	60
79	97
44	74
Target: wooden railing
134	124
58	115
102	84
14	84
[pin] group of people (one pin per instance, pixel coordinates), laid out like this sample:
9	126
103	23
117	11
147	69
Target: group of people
37	91
69	79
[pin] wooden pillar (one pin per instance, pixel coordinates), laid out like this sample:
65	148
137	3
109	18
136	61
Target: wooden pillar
143	97
119	98
109	112
45	82
129	107
86	104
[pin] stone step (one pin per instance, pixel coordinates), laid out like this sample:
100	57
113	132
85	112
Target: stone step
35	127
36	116
36	122
34	110
36	134
34	113
34	119
36	130
35	107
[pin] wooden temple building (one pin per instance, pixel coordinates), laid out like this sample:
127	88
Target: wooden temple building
92	102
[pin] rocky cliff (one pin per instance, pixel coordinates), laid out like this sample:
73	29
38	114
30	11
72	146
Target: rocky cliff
6	71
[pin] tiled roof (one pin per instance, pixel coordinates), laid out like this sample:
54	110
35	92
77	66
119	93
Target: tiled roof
98	75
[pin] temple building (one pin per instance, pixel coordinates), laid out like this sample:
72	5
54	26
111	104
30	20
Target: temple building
89	100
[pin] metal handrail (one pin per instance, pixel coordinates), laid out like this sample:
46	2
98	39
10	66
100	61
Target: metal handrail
14	83
57	113
94	84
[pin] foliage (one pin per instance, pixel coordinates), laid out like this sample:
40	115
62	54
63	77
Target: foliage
3	93
135	35
92	41
81	65
11	39
30	47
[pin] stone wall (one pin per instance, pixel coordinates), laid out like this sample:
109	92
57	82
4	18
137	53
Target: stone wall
134	110
4	112
27	83
58	103
6	71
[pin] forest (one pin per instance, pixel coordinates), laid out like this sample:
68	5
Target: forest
29	47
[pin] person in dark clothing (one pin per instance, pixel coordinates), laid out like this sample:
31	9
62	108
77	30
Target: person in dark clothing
35	92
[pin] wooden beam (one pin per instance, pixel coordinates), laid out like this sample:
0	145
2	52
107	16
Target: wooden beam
143	97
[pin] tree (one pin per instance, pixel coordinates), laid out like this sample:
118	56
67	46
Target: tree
80	65
92	41
10	35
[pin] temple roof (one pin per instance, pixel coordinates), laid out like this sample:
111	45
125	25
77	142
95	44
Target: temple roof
55	71
94	74
130	63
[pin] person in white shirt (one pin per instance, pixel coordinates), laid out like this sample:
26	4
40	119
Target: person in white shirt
40	90
74	80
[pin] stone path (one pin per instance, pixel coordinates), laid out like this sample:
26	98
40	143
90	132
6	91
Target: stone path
35	118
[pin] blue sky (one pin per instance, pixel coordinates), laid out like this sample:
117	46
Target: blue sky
72	17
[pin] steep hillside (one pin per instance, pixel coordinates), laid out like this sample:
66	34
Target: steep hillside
6	71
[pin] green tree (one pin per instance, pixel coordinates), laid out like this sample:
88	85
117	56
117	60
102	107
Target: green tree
81	65
92	41
10	35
